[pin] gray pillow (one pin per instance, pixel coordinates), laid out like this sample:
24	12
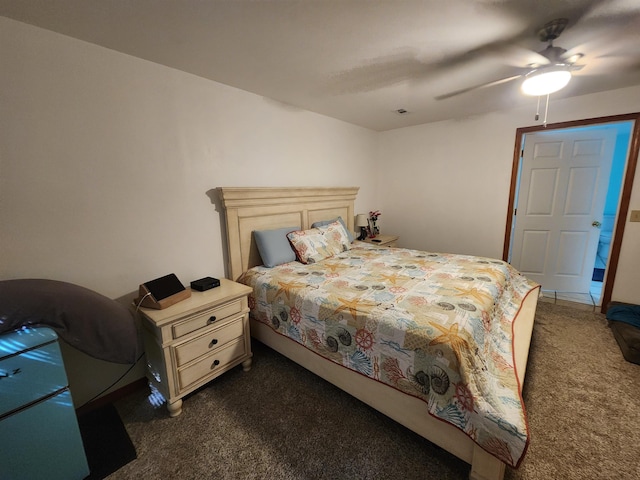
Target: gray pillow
274	246
87	320
327	222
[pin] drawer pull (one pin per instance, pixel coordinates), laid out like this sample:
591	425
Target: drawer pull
215	363
213	342
211	319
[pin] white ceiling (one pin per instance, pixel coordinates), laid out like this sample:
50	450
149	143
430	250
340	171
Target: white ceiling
359	60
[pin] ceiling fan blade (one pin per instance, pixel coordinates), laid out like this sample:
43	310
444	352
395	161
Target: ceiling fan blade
608	64
502	48
600	12
376	73
478	87
528	57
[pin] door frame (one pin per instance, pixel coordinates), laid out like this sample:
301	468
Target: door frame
625	195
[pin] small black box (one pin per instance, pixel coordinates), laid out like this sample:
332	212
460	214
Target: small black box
205	283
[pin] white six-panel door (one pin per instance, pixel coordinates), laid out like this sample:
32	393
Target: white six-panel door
563	188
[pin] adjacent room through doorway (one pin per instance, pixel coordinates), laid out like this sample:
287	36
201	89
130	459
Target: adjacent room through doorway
565	205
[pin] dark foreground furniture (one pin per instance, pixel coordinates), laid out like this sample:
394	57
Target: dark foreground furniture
625	325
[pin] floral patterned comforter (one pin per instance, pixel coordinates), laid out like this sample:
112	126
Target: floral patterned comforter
435	326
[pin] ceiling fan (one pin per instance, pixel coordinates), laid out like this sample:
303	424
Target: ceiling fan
551	73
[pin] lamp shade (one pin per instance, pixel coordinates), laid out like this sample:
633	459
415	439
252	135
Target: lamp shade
546	80
361	220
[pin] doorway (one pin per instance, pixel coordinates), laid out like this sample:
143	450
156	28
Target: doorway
606	233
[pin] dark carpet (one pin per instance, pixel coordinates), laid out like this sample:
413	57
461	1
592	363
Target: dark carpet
106	441
281	422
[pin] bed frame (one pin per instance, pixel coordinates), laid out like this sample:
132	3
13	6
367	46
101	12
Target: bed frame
249	209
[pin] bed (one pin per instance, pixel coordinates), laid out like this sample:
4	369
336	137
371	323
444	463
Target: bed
250	210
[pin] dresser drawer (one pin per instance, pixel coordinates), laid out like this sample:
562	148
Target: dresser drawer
206	318
208	342
210	364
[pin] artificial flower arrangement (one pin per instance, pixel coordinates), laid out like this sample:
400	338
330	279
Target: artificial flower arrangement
373	227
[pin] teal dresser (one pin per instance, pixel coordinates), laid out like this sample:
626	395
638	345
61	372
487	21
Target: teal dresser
39	434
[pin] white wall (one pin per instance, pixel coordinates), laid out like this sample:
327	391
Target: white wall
106	162
446	184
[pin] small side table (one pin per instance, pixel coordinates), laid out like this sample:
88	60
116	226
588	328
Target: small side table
195	340
383	240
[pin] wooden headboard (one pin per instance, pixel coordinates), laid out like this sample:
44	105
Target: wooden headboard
264	208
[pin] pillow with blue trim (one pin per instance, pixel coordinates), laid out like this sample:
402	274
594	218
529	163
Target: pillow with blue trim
316	244
324	223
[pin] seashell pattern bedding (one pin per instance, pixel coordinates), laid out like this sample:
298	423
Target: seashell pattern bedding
432	325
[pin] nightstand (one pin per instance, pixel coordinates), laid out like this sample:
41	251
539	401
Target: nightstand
385	240
197	339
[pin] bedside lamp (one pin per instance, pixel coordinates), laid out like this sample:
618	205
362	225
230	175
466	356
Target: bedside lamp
362	222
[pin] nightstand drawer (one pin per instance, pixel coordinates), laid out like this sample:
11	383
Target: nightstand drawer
209	342
206	318
210	364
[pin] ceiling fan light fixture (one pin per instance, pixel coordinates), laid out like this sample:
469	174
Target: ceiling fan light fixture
545	81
